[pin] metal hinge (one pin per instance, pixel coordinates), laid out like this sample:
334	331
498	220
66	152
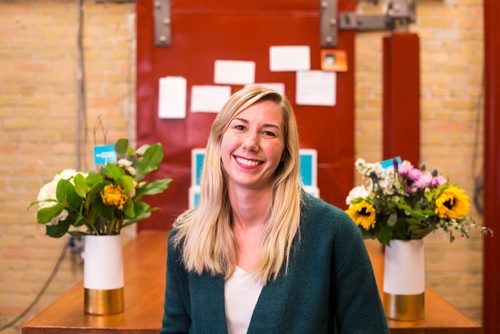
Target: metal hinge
328	23
162	23
397	13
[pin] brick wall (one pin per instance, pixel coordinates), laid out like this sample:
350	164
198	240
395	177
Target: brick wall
451	41
38	112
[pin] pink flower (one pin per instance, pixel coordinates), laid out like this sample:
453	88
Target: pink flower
414	174
437	181
423	181
403	169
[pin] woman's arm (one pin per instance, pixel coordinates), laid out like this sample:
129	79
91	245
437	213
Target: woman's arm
357	300
176	318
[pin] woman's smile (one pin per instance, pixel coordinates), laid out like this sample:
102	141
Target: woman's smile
247	163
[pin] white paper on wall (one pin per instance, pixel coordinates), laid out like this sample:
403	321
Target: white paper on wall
316	88
277	86
234	72
289	58
209	98
172	97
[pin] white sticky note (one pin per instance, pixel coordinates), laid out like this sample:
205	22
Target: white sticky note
234	72
277	86
289	58
316	88
209	98
172	97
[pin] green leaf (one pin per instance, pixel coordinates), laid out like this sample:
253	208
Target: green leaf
73	200
114	171
93	179
384	235
152	188
121	148
150	160
142	149
128	209
393	219
63	187
81	185
127	183
142	210
58	230
45	215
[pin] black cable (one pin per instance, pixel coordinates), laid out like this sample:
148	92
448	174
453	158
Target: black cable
477	194
40	293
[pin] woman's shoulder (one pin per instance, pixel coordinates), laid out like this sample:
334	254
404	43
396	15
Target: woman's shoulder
318	208
316	213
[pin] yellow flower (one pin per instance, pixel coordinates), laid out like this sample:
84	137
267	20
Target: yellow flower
452	203
363	214
114	195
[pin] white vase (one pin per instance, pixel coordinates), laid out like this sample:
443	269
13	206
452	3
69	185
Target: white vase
404	280
103	274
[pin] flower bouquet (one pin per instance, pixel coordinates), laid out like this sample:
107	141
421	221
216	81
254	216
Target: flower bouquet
101	202
399	205
404	202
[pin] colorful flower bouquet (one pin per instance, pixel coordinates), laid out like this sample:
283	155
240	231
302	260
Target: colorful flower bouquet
105	201
405	203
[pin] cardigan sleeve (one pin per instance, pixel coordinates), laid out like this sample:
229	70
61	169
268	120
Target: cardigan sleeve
175	317
356	297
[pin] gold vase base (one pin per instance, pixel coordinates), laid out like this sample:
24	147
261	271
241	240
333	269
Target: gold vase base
104	302
404	307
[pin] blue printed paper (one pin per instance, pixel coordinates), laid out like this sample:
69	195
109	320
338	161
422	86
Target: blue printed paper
390	162
104	154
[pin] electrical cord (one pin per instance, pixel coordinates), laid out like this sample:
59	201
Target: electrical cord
477	195
40	293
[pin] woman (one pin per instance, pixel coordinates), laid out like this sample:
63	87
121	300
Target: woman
258	255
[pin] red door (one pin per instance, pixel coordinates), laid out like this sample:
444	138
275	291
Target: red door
204	31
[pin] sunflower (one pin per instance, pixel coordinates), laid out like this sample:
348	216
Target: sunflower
452	203
362	214
114	195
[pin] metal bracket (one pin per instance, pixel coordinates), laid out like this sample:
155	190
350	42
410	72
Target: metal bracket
398	12
162	23
328	23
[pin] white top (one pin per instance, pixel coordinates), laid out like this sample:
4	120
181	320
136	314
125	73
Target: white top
241	292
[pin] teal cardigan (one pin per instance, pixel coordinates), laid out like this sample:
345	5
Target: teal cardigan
329	287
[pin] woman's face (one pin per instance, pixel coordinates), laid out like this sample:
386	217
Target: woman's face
253	145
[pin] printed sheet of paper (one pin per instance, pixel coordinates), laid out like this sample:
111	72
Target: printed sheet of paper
289	58
209	98
277	86
316	88
234	72
172	97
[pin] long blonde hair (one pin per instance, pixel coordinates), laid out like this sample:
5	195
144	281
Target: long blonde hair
204	233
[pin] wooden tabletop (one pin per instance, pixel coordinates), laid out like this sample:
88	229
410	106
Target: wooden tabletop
144	264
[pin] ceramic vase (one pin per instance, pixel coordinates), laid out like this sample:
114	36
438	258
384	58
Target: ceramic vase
404	280
103	280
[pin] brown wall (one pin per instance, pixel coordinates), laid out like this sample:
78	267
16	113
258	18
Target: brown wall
38	108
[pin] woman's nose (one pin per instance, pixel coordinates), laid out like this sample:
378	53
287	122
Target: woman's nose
251	143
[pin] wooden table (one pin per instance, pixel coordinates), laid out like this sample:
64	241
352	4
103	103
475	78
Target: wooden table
144	295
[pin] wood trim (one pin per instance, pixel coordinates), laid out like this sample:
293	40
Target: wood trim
401	105
491	288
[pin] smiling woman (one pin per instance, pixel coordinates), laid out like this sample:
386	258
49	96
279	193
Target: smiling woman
267	257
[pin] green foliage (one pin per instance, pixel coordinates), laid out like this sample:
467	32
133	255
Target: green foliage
102	202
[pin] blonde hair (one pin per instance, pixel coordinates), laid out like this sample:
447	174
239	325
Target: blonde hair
204	233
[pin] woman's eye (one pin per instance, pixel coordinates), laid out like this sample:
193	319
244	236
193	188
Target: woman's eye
269	133
239	127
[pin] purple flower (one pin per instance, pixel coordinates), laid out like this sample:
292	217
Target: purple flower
423	181
414	174
403	169
437	181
